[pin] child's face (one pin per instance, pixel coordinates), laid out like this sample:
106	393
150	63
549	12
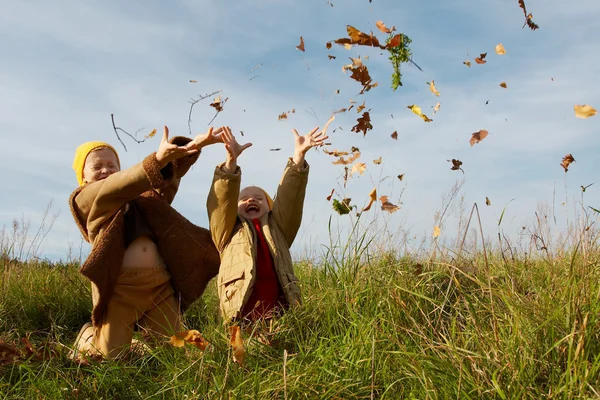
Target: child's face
100	164
252	203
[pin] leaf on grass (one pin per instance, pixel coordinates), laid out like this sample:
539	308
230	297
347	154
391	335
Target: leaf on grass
437	107
503	85
372	199
377	162
478	137
584	111
381	26
363	124
528	17
401	177
456	164
8	353
301	45
436	231
190	336
387	206
566	161
467	63
236	342
500	49
395	135
487	201
481	58
151	134
417	110
358	167
342	207
432	88
331	195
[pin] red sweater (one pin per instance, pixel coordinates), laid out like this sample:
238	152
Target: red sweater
267	293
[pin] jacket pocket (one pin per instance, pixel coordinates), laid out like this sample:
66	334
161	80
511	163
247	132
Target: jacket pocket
232	284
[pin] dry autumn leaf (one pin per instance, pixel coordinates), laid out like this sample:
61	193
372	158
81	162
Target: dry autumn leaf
481	58
478	137
360	73
417	110
191	336
584	111
437	107
487	202
359	38
528	17
436	231
500	49
218	104
377	162
193	81
281	116
401	177
395	135
381	26
151	134
329	121
358	167
432	88
301	45
330	195
331	57
361	107
566	161
503	85
236	342
363	124
456	165
467	63
347	161
387	206
335	153
372	199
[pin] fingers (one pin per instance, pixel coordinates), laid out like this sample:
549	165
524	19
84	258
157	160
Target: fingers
313	131
296	133
245	146
165	136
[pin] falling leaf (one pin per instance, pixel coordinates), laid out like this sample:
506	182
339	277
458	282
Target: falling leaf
584	111
235	340
456	165
437	107
433	89
478	137
360	73
481	58
528	17
363	124
330	3
193	81
348	46
417	110
377	162
361	107
387	206
329	121
331	57
436	231
381	26
487	202
503	85
342	207
283	115
359	38
218	104
151	134
277	149
347	161
395	41
500	49
467	63
395	135
331	195
335	153
358	167
372	199
328	45
301	45
401	177
341	110
566	161
191	336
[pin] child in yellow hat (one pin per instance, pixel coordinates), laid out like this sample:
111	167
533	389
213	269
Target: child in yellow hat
253	233
148	263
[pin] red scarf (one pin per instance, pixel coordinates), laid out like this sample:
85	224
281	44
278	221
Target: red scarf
267	293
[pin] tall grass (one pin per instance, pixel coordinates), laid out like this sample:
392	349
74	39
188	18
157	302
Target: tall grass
373	324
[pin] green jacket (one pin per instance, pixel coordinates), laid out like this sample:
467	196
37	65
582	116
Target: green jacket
236	240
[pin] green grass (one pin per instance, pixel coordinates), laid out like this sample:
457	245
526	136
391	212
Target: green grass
382	327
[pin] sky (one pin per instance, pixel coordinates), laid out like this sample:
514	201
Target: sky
68	65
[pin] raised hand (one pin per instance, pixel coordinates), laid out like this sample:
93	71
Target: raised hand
206	139
168	152
302	144
234	149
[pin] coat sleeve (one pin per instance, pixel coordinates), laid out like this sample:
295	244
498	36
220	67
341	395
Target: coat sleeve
98	202
180	168
289	200
222	205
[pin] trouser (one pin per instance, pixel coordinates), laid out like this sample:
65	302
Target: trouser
142	296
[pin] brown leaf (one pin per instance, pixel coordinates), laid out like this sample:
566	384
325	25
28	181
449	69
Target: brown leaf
235	340
503	85
433	89
301	45
487	202
395	135
329	121
528	17
190	336
401	177
467	63
193	81
381	26
377	162
359	38
360	74
478	137
331	57
566	161
395	41
358	167
328	45
8	353
341	110
151	134
361	107
456	165
331	195
335	153
363	124
218	104
500	49
347	161
387	206
481	58
372	199
584	111
437	107
283	115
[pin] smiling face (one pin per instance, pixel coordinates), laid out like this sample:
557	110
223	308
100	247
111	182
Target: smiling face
252	203
99	164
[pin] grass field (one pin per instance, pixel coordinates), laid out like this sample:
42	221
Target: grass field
446	324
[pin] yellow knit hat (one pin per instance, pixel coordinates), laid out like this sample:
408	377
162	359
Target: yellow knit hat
267	197
81	154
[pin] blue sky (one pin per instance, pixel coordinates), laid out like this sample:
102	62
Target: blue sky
68	65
